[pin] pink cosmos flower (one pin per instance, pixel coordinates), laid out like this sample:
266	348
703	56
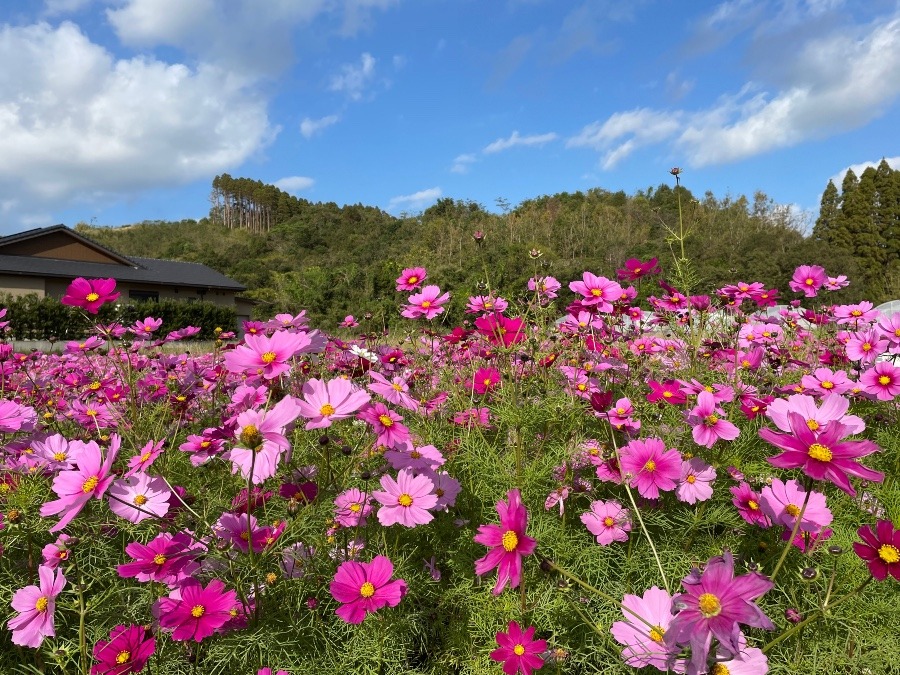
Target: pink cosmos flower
501	330
880	549
145	458
261	434
196	612
167	558
545	287
144	329
324	403
267	356
824	381
418	458
386	425
634	269
855	314
836	283
647	619
90	294
428	304
708	422
349	322
352	507
485	380
607	521
507	541
395	391
242	530
518	650
36	606
713	604
294	560
823	455
89	480
866	346
473	417
748	503
365	587
480	304
15	417
405	500
150	494
833	408
127	651
782	503
668	391
696	478
652	467
56	553
597	292
411	278
881	381
808	279
446	489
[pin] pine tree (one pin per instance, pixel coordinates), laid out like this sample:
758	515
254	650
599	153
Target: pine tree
868	244
829	215
887	186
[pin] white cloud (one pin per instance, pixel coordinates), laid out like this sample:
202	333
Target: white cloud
838	178
77	124
416	200
462	163
838	82
294	184
353	79
310	127
515	140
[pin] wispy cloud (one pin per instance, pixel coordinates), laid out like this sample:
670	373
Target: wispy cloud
416	200
310	127
463	163
516	139
294	184
354	78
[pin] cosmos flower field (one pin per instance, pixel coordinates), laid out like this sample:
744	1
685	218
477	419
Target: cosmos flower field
586	478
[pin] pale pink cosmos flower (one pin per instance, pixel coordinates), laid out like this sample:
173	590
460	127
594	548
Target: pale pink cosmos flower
836	283
708	422
36	606
417	458
607	521
261	434
427	304
352	507
597	292
866	346
57	552
15	417
696	481
90	479
855	314
545	287
139	497
405	500
267	356
411	278
395	390
480	304
824	381
324	403
808	279
58	452
783	501
817	417
647	618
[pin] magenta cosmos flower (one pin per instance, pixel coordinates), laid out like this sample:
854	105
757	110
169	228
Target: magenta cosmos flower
714	604
36	605
652	467
507	541
634	269
411	278
518	651
266	356
708	422
196	612
127	651
597	292
607	521
324	403
90	294
822	456
405	500
75	488
168	558
646	621
365	587
881	381
427	304
880	548
386	425
808	279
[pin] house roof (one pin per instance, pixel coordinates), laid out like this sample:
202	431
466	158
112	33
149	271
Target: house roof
132	269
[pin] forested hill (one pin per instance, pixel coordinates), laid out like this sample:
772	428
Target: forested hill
335	260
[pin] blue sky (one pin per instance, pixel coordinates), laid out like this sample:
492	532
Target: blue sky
117	111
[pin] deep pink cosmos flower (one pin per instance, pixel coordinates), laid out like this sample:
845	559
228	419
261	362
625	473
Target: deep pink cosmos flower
880	548
196	612
507	541
365	587
748	503
652	467
90	294
127	651
500	330
324	403
267	357
607	521
36	605
634	269
597	292
808	279
646	621
428	304
708	422
386	425
668	391
89	480
715	602
406	500
822	456
485	380
518	651
881	381
411	278
168	558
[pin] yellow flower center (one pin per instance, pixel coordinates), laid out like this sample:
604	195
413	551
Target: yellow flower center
889	554
884	380
59	456
326	410
820	452
812	424
92	297
159	559
386	420
792	510
123	656
250	436
41	604
518	650
691	479
608	521
709	605
404	500
356	508
510	541
711	420
145	456
95	385
855	312
667	394
397	387
596	292
867	347
650	465
657	634
268	357
367	590
809	282
753	505
426	304
828	384
140	500
720	669
197	611
90	484
413	279
415	454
